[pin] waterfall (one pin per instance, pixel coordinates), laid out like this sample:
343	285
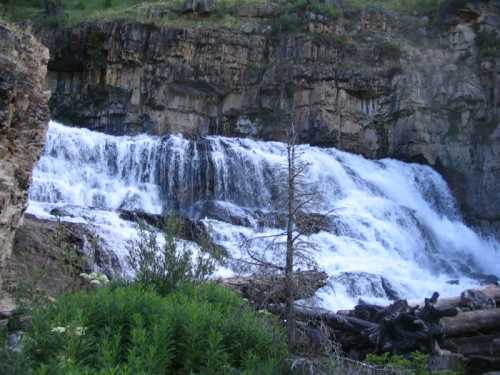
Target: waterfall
389	229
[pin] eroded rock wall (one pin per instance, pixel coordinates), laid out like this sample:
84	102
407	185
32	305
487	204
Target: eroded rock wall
372	82
24	116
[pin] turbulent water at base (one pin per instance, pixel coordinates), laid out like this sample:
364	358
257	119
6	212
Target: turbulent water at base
387	228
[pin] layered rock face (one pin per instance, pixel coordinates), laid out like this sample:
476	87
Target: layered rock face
24	116
371	82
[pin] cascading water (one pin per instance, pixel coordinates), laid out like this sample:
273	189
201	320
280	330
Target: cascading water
388	228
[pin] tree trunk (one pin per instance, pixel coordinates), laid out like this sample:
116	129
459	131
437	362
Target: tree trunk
290	288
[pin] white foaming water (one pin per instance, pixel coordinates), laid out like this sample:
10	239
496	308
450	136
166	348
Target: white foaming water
392	228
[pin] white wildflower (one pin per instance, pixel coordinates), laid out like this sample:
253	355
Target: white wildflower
58	330
79	331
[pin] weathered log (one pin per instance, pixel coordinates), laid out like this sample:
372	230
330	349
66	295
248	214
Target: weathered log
479	364
471	322
264	290
488	344
467	301
333	320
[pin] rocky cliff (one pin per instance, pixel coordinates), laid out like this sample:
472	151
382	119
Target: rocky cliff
371	82
24	116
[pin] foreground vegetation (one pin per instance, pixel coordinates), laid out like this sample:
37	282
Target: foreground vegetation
130	329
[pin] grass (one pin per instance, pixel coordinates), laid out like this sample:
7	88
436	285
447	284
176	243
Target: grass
78	11
400	6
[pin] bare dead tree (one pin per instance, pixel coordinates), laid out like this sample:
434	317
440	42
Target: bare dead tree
290	238
283	252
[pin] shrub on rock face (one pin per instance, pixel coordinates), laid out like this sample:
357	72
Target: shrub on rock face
131	330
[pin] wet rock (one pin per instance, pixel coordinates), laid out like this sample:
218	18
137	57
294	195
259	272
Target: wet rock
186	228
366	284
222	211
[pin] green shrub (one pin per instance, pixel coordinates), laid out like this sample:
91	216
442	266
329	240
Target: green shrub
166	266
415	363
330	11
132	330
12	362
387	51
289	22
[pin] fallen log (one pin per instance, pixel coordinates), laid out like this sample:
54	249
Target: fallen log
471	323
333	320
480	364
470	299
270	289
488	344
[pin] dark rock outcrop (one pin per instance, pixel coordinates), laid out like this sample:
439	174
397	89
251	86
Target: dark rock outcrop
51	255
24	117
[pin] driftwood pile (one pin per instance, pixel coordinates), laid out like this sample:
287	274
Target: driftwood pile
464	330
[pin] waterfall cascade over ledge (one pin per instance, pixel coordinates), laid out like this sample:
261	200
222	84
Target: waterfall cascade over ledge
388	228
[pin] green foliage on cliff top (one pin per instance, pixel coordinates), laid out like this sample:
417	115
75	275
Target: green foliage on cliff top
132	330
167	11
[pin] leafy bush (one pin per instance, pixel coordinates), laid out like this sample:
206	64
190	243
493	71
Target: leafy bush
289	22
387	51
131	330
416	362
329	10
165	266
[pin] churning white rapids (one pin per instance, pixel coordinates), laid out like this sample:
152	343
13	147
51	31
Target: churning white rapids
389	228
